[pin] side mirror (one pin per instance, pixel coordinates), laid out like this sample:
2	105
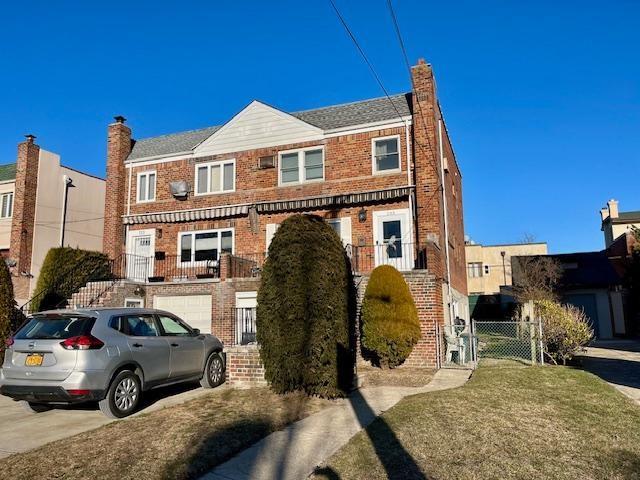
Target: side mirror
196	331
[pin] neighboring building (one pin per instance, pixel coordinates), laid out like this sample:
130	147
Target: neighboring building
32	197
616	223
186	207
590	281
489	266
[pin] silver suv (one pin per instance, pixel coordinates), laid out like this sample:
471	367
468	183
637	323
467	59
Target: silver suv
106	355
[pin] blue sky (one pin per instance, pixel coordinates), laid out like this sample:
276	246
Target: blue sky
542	99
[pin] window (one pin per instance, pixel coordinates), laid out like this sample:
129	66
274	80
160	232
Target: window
6	205
305	165
217	177
171	326
55	327
386	154
342	226
204	246
475	269
146	186
140	326
133	303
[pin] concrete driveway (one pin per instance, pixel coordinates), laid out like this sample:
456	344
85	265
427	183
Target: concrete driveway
21	431
616	362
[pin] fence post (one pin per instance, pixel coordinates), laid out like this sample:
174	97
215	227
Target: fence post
474	343
541	342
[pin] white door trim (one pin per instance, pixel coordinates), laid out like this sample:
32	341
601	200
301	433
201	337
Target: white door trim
131	236
406	262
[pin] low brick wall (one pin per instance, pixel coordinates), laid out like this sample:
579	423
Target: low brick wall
244	367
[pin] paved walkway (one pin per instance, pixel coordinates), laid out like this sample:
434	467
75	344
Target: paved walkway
618	363
293	453
21	431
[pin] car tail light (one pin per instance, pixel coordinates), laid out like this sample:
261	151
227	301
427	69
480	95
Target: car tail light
82	342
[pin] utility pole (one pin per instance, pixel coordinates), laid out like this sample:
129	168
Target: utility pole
504	267
68	183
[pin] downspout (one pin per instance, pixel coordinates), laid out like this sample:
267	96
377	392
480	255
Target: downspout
446	222
410	182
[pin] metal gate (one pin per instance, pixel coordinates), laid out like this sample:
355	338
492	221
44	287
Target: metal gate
491	343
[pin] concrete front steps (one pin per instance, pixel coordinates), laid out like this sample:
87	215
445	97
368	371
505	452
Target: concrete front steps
96	294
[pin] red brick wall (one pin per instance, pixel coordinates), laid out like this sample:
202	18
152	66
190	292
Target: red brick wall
244	367
118	148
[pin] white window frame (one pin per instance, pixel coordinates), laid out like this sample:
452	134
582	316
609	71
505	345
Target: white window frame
139	301
301	170
471	269
193	244
345	229
147	174
374	166
11	197
221	164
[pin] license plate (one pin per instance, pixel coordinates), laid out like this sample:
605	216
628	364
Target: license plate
34	360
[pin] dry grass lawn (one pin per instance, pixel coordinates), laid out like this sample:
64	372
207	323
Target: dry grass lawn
506	423
182	441
397	377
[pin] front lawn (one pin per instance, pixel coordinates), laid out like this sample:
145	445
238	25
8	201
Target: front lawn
182	441
505	423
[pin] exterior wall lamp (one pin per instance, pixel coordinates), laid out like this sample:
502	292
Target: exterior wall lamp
362	215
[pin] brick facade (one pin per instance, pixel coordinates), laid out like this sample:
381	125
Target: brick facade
24	210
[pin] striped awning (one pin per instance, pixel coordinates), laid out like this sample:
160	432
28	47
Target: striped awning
311	203
187	215
334	200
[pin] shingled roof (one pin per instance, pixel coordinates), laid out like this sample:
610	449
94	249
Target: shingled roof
7	172
326	118
627	217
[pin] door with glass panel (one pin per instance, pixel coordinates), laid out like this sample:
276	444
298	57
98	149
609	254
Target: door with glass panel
140	252
393	242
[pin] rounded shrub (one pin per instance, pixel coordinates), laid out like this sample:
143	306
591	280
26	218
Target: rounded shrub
306	310
64	271
389	319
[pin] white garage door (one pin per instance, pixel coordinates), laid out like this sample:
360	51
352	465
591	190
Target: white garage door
193	309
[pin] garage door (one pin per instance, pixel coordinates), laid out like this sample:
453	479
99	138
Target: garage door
193	309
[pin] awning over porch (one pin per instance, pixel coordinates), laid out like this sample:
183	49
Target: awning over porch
187	215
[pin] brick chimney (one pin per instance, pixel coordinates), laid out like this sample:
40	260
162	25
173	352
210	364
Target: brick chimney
429	207
118	148
24	209
612	205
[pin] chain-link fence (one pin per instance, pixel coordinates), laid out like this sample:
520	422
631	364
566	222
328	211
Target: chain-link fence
491	343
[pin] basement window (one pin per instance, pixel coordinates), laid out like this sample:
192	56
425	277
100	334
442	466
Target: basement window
6	205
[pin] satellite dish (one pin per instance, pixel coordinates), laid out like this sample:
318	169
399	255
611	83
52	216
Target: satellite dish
179	189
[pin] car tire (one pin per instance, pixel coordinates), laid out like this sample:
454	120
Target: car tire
123	395
34	407
213	371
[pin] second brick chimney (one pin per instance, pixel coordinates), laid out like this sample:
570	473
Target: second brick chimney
118	149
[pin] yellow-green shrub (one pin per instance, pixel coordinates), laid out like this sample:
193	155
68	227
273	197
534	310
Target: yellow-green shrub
389	324
565	330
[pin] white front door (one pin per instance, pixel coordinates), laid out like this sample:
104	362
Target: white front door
140	252
392	238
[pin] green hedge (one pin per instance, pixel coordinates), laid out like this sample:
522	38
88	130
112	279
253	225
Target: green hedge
306	305
389	322
10	317
64	271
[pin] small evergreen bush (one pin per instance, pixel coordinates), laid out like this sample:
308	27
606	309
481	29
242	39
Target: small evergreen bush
305	310
389	323
565	330
9	315
64	271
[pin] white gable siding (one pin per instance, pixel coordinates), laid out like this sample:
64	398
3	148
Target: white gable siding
258	126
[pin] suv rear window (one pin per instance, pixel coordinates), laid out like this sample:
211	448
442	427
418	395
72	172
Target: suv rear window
52	327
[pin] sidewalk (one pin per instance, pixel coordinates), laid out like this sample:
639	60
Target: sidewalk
293	453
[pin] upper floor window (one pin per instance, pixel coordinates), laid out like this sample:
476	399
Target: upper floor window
146	186
475	269
204	245
216	177
306	165
6	205
386	154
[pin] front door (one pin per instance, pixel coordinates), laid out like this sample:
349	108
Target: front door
140	251
392	239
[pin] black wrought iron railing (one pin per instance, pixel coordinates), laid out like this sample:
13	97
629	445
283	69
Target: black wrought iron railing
246	265
245	326
171	268
403	256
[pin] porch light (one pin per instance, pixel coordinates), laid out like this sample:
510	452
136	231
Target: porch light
362	215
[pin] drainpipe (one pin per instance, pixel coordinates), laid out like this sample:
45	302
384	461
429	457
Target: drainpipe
409	180
446	222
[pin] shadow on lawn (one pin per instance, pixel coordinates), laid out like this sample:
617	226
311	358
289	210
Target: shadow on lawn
613	370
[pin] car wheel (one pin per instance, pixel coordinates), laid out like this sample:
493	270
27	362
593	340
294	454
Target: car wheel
123	395
213	371
35	407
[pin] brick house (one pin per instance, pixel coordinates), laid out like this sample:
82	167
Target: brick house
34	193
191	214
